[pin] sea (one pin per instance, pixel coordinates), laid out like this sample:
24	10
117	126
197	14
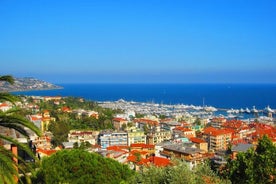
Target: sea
226	96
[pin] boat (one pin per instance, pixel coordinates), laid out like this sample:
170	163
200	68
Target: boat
242	110
254	110
268	110
210	109
247	110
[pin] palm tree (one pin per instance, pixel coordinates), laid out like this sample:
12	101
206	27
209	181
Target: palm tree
12	120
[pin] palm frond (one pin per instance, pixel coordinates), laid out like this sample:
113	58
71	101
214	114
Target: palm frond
9	97
19	123
18	144
8	168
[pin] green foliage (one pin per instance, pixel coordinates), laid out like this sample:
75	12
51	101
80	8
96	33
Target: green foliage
254	166
12	119
60	132
79	166
197	121
178	173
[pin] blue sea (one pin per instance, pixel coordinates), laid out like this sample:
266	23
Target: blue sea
218	95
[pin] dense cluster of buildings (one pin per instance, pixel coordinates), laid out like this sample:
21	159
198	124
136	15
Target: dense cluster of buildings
151	140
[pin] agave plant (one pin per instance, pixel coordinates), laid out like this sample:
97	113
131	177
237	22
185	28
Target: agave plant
12	120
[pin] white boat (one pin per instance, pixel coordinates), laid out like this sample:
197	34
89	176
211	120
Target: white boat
210	109
254	110
242	110
247	110
268	110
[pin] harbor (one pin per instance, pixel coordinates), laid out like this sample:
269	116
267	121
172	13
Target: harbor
205	112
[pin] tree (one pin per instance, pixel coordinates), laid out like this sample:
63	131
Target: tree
11	119
60	132
178	173
254	166
80	166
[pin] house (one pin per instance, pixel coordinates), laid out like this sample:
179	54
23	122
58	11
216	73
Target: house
43	142
240	148
46	119
66	109
169	124
44	153
136	136
92	114
119	153
156	137
151	125
83	136
118	123
218	139
217	122
200	143
36	119
180	131
135	162
261	129
188	151
55	98
112	138
159	147
150	148
5	107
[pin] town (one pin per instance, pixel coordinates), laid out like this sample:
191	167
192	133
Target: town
121	130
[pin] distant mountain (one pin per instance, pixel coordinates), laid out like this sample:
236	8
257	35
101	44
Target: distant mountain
27	84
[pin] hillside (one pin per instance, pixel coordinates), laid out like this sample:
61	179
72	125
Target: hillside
27	84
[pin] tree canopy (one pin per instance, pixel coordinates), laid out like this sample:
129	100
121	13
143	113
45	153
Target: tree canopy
254	166
79	166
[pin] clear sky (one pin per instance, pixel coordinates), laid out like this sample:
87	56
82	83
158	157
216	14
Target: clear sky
137	41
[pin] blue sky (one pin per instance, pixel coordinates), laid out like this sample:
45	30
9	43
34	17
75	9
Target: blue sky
138	41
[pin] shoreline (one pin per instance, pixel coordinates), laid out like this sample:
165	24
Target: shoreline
29	90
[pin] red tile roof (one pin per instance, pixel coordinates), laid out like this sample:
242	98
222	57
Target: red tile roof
183	129
46	152
141	145
159	161
147	121
119	119
216	132
209	129
4	105
197	140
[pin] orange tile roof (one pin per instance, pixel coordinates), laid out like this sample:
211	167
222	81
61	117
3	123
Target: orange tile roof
216	132
4	105
133	152
65	109
209	129
142	145
119	119
146	121
183	129
220	132
197	140
117	148
159	161
35	118
46	152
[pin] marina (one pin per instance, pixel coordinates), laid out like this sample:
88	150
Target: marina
207	112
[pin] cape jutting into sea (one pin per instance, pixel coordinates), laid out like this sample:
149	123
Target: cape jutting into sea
217	95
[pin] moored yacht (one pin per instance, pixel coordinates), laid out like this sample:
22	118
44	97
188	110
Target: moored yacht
268	110
254	110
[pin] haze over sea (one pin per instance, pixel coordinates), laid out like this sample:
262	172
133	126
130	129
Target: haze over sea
218	95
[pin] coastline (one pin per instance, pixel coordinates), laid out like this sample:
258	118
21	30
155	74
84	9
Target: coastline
30	90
